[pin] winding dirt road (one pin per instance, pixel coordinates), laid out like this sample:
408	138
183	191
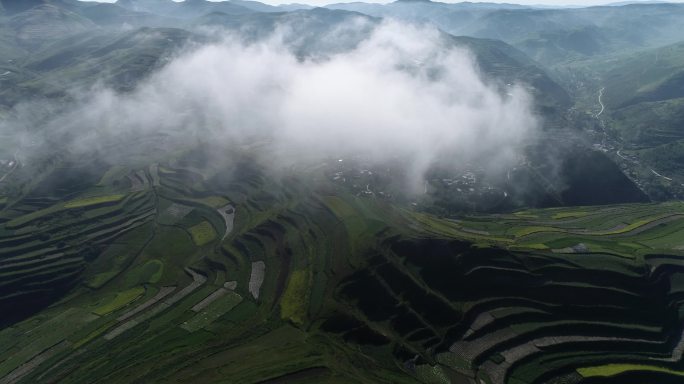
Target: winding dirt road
603	107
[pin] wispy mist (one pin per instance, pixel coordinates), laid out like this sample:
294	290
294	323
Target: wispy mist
403	92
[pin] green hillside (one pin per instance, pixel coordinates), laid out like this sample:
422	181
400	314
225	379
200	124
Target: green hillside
118	60
648	76
313	284
642	116
549	35
211	252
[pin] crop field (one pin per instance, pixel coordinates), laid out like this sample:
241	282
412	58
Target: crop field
295	299
93	201
215	310
120	300
202	233
317	284
616	369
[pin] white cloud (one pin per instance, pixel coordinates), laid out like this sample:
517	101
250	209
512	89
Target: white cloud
401	93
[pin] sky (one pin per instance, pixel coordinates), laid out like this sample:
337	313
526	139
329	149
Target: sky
525	2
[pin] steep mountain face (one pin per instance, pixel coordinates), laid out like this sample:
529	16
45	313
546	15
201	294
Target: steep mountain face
156	6
514	25
653	75
644	108
452	18
103	14
504	62
16	6
119	61
643	92
651	123
44	22
184	10
261	7
112	15
10	47
498	60
555	46
547	35
318	32
450	13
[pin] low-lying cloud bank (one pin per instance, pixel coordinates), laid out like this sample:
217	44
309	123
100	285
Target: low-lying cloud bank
400	93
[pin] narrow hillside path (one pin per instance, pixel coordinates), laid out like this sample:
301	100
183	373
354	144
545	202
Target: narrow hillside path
603	107
603	144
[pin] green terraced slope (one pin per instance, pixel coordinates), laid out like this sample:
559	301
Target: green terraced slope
177	272
185	256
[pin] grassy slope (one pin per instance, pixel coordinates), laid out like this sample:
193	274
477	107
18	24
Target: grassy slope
327	253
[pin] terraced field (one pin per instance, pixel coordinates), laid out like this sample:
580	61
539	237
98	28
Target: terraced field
177	272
